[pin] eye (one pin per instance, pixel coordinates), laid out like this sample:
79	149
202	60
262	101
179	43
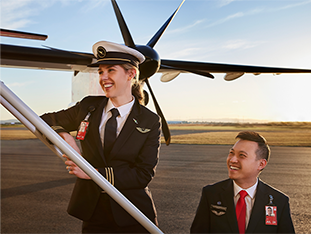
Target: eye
100	72
243	155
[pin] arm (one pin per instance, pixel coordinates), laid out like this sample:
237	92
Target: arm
63	122
201	221
285	224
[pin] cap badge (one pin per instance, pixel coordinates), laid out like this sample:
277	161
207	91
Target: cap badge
101	52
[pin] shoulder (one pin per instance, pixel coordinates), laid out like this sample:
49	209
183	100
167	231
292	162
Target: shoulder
92	100
89	102
271	190
149	114
218	186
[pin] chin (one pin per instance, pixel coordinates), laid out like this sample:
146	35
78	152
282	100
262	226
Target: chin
231	176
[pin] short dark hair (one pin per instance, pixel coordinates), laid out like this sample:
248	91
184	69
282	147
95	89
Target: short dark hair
263	151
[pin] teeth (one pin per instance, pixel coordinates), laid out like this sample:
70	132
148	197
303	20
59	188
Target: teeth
108	85
234	168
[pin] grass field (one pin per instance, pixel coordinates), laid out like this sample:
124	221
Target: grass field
277	134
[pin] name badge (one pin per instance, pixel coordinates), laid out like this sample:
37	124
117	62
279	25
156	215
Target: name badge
82	130
271	215
84	125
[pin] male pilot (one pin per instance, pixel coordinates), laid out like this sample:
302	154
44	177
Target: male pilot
222	208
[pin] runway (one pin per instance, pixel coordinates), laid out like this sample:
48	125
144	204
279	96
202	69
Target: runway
35	186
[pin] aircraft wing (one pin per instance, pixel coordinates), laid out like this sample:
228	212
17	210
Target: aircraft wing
233	71
55	59
41	58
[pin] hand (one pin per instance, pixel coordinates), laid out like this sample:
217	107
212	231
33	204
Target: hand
71	166
75	170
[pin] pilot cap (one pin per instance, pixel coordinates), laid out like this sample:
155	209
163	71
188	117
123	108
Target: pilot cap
113	53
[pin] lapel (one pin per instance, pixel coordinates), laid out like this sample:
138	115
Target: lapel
258	208
227	196
129	126
95	127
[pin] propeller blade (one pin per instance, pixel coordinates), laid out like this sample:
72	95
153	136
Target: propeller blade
165	129
197	72
19	34
159	33
128	40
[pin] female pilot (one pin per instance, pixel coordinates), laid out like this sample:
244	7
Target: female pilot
122	142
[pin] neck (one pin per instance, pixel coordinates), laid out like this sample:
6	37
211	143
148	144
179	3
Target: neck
120	101
246	184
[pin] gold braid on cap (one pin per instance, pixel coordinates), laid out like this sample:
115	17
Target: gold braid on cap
117	59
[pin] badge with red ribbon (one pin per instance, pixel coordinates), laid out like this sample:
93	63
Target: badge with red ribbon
271	212
84	125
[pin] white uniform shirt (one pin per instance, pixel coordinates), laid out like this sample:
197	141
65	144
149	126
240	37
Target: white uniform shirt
249	199
124	113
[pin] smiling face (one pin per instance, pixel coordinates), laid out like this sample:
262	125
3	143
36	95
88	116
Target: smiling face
116	83
243	164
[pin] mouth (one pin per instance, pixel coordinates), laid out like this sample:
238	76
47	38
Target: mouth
234	168
107	86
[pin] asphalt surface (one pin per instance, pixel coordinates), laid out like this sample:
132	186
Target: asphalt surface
36	188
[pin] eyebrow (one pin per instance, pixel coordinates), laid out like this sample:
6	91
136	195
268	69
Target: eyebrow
106	67
243	152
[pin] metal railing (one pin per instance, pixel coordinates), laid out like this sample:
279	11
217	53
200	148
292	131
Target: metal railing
40	129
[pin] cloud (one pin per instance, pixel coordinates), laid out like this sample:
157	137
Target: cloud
294	5
254	11
222	3
19	84
18	14
186	28
230	17
241	44
14	14
95	4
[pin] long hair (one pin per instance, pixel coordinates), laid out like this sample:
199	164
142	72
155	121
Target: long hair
137	87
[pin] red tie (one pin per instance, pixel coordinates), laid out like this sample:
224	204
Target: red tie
240	211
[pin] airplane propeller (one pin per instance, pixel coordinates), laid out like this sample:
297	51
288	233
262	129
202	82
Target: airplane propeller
152	63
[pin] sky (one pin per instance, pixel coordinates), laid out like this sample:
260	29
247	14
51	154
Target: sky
264	33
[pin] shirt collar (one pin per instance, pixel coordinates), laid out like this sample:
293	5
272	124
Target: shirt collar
123	110
251	190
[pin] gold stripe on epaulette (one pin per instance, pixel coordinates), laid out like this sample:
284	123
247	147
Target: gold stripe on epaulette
107	174
112	176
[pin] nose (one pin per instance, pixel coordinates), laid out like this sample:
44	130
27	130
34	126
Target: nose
233	158
103	76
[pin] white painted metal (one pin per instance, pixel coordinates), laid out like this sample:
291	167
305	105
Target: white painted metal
41	126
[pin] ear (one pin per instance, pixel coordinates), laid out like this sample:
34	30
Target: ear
131	74
262	164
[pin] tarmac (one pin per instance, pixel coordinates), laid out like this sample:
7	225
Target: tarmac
36	187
